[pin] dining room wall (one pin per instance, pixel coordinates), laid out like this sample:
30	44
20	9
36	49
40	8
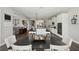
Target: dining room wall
73	28
6	26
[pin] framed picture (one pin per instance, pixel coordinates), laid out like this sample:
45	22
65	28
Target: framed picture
7	17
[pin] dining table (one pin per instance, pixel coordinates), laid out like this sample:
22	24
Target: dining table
38	45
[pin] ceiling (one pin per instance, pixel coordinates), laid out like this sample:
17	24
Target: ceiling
40	12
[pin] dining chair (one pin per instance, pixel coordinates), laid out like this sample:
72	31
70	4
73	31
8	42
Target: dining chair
22	48
10	41
40	31
61	47
47	49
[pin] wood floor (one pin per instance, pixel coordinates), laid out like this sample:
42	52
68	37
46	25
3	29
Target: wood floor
3	48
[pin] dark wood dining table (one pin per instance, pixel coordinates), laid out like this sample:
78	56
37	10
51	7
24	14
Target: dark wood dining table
39	45
24	41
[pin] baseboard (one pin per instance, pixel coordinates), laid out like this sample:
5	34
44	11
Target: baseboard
2	44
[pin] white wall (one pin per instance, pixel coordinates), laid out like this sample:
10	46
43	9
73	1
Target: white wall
48	22
71	31
74	28
65	28
19	18
7	26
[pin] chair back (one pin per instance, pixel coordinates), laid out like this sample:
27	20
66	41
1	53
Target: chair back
62	47
70	42
40	31
47	49
59	48
10	41
74	46
22	48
